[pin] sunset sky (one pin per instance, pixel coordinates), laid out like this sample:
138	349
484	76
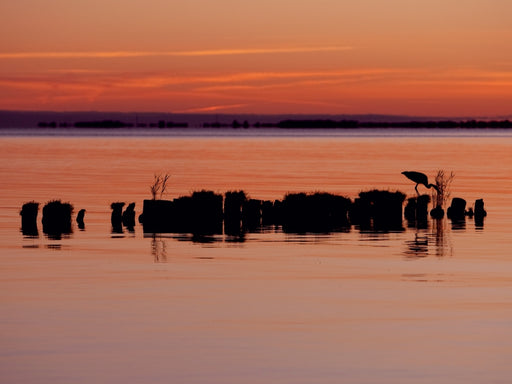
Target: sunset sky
431	58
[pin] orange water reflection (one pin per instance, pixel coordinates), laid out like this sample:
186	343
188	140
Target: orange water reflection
420	305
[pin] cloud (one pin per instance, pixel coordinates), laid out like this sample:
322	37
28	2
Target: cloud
248	80
329	90
194	53
212	108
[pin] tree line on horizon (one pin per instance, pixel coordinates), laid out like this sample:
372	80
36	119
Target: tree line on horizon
291	124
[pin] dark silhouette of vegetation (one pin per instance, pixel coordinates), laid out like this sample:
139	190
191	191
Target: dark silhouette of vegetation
28	214
233	205
157	216
252	214
416	211
206	213
111	124
302	124
290	124
201	214
351	124
216	125
159	185
317	212
103	124
171	124
271	212
442	193
57	219
377	210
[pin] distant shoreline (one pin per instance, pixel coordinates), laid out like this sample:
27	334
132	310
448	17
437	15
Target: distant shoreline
283	124
111	120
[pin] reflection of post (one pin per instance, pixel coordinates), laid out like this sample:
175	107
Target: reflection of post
434	240
418	247
439	236
158	249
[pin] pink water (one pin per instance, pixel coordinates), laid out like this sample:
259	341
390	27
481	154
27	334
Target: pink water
418	306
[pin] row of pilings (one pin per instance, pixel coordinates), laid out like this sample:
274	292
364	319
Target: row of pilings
56	220
206	212
234	213
417	211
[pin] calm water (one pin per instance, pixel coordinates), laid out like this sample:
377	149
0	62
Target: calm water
417	306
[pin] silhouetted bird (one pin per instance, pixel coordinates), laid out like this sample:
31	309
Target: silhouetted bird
419	178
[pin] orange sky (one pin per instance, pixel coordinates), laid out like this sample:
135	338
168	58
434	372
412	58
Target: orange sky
440	58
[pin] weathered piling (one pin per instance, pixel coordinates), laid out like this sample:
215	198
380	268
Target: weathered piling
128	217
251	214
318	212
156	216
116	218
457	210
80	219
270	212
416	211
479	208
480	212
57	218
378	210
233	204
204	216
28	215
201	214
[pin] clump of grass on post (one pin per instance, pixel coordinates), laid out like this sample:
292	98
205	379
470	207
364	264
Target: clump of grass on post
159	185
443	183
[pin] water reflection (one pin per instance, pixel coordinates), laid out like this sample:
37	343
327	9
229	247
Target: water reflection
56	246
417	247
427	238
158	249
419	239
434	239
237	237
459	224
120	232
426	278
479	223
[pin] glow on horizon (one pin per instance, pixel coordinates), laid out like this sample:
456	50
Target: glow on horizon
245	92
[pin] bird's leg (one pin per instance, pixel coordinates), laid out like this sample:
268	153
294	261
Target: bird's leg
416	188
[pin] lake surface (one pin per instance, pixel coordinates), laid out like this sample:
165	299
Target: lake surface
412	306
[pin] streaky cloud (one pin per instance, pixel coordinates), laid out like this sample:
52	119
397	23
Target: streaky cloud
193	53
212	108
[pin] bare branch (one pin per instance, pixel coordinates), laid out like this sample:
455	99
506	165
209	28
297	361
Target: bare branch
155	187
164	184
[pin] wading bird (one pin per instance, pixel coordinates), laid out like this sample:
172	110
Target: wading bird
419	178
